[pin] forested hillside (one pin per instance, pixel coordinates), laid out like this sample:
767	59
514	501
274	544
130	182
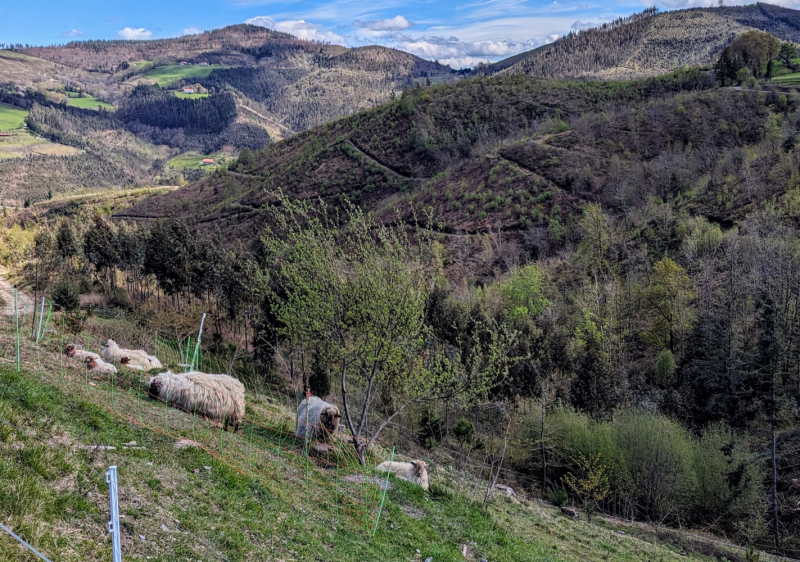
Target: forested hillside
639	237
650	43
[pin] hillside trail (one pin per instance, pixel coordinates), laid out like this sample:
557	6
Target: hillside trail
24	300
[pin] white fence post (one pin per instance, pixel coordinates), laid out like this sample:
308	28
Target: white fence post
113	525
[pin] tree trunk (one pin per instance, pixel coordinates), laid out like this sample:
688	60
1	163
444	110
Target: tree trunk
774	492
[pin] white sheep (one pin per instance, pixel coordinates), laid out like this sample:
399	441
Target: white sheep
72	350
100	366
218	398
135	359
414	471
316	419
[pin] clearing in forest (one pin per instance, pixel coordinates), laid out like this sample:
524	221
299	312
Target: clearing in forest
11	117
168	74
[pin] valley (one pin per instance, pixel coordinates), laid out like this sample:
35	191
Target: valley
568	281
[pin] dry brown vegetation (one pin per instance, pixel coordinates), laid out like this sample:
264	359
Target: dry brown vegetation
651	43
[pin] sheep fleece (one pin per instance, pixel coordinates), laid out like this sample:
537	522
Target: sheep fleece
414	471
72	350
216	397
309	412
131	358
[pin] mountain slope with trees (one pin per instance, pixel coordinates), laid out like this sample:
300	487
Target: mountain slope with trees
650	43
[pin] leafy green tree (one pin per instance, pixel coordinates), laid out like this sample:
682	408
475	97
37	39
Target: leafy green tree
590	483
523	292
365	293
668	302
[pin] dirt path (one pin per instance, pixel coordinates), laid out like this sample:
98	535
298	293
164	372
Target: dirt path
24	300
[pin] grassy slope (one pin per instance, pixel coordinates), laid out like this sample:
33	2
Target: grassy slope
89	102
165	75
52	492
11	117
194	96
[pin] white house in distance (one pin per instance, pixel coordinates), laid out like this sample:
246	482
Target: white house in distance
188	90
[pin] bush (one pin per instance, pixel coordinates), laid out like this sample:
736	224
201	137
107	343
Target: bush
463	432
66	297
318	381
556	496
431	430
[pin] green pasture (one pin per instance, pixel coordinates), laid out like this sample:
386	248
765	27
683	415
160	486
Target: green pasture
168	74
11	117
89	102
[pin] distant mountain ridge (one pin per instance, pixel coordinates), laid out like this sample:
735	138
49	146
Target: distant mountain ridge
650	43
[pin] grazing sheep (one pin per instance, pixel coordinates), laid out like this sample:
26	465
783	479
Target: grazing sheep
316	419
72	350
100	366
135	359
414	471
218	398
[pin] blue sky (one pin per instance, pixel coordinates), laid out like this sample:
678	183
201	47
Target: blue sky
455	33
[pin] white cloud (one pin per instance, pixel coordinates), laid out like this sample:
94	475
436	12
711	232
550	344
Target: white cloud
72	33
396	23
460	54
192	30
300	29
139	33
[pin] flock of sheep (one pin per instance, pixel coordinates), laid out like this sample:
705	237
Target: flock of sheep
220	398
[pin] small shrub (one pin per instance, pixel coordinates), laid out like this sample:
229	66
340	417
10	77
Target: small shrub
66	297
556	496
431	430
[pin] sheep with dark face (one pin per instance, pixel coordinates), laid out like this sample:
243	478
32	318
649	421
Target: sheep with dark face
72	350
218	398
99	366
414	471
316	419
135	359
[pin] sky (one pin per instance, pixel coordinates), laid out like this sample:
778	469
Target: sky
461	34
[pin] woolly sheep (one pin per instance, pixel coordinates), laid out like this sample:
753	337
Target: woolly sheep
218	398
316	419
100	366
414	471
135	359
72	350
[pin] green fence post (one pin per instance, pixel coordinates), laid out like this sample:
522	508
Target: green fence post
16	319
383	498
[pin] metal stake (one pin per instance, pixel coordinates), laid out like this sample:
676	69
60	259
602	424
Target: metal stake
113	525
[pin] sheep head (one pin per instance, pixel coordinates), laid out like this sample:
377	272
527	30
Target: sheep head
91	362
124	360
111	343
329	418
154	386
69	350
421	468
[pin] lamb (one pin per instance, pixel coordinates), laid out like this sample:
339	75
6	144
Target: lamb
218	398
135	359
72	350
414	471
100	366
316	419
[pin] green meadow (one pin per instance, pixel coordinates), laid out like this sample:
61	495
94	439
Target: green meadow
11	117
168	74
89	102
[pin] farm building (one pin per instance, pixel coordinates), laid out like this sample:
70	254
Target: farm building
208	162
188	90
